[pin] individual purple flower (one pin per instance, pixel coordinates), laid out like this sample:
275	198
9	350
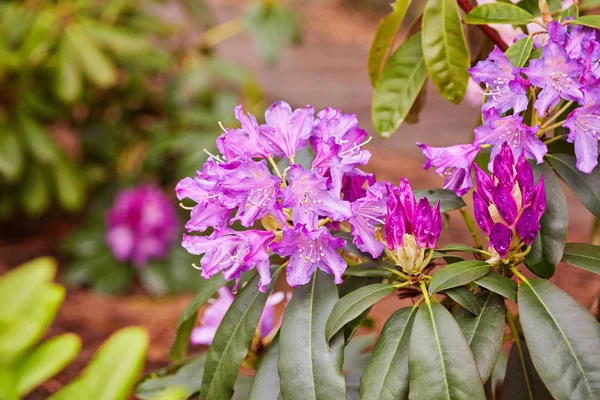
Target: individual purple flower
557	75
573	40
287	131
591	72
454	163
506	88
520	138
368	213
353	184
309	250
584	130
232	253
246	141
508	206
308	198
141	225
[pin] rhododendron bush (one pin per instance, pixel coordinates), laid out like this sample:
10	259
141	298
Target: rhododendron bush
289	199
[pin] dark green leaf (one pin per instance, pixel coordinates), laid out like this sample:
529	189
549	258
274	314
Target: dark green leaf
353	304
465	298
187	377
448	199
95	64
11	154
69	185
440	362
522	381
585	186
398	87
519	52
459	248
35	191
484	332
308	368
384	39
458	274
547	249
499	284
583	255
592	21
187	319
498	13
386	373
563	339
367	270
266	381
445	49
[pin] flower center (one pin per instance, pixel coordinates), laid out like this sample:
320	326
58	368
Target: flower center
560	81
311	251
590	124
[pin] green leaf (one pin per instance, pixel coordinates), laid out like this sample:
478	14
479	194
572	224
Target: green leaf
232	340
547	249
497	283
583	255
308	368
95	64
69	80
484	332
592	21
563	339
498	13
587	5
35	191
187	319
367	270
118	40
445	49
571	12
384	39
457	247
449	201
266	381
114	369
522	381
69	185
440	362
465	298
45	361
11	154
398	87
353	304
40	144
187	378
386	374
519	52
457	274
585	186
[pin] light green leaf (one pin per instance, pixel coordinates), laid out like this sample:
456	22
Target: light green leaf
498	13
449	201
40	144
465	298
570	12
11	154
187	378
308	368
519	52
386	374
384	39
484	332
445	49
563	339
593	21
458	274
440	362
583	255
522	381
95	64
69	80
497	283
353	304
116	39
35	191
398	87
266	380
187	319
69	185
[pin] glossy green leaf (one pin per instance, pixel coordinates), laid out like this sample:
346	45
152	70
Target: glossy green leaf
97	67
497	283
40	144
45	361
457	247
458	274
498	13
583	255
11	154
187	319
465	298
308	367
522	381
384	39
547	249
187	378
593	21
585	186
484	332
445	49
563	339
367	270
386	374
232	340
114	369
440	362
519	52
398	87
266	380
69	185
69	79
353	304
449	201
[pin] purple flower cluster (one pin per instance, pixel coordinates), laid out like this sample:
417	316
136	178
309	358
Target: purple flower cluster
141	225
508	206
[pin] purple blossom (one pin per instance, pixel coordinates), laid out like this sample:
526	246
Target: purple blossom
353	184
141	225
454	163
591	72
247	141
584	130
368	213
309	250
506	88
573	41
285	131
557	75
520	138
232	253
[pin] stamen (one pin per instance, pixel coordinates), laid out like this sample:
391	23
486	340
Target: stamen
222	127
185	207
358	146
216	158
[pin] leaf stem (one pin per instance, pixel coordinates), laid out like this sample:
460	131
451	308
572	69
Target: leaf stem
472	228
425	293
534	113
549	128
518	274
398	273
554	139
556	115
